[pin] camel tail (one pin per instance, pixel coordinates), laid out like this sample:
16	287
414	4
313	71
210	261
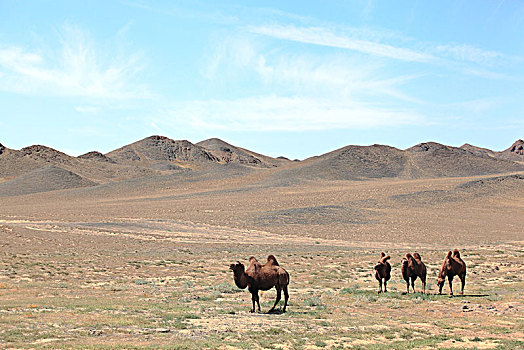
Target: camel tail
385	258
271	259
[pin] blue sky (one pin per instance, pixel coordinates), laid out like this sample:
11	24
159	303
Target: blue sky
293	78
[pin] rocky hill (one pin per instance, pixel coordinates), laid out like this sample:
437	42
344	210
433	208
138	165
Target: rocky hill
228	153
216	159
515	152
351	163
48	178
161	148
425	160
429	160
94	155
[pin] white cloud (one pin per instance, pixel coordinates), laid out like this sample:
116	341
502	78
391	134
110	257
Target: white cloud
296	91
465	58
306	74
274	113
76	68
463	52
325	37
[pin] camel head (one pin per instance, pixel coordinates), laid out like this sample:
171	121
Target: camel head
239	275
442	275
404	262
237	268
440	283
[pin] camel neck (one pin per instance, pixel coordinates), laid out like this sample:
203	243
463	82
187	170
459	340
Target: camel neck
241	279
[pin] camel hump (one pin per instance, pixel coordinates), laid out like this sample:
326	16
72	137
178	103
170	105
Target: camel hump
253	259
382	254
417	256
385	258
456	253
449	254
271	260
408	256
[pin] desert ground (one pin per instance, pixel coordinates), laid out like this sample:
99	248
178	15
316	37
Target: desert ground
144	262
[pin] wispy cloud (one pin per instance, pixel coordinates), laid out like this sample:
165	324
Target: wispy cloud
331	76
325	37
465	58
274	113
463	52
76	68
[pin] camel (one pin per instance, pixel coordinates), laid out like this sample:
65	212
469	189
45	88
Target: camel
262	277
413	267
452	266
383	271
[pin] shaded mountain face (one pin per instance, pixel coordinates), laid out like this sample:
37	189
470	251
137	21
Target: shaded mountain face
514	152
160	148
94	155
2	148
48	178
517	148
228	153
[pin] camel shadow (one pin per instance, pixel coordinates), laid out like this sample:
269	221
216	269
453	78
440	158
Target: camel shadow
275	312
460	295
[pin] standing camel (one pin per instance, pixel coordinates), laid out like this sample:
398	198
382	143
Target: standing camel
452	266
262	277
413	267
383	271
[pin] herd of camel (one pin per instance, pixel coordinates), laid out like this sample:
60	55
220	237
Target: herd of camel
264	277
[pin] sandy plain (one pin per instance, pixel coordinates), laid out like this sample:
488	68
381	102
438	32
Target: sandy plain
144	264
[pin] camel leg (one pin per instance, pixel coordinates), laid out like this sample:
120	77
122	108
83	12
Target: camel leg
423	285
254	296
385	286
278	298
413	284
286	297
380	286
258	302
450	280
463	282
407	285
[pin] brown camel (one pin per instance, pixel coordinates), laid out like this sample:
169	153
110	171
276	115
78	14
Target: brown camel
413	267
452	266
383	271
262	277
